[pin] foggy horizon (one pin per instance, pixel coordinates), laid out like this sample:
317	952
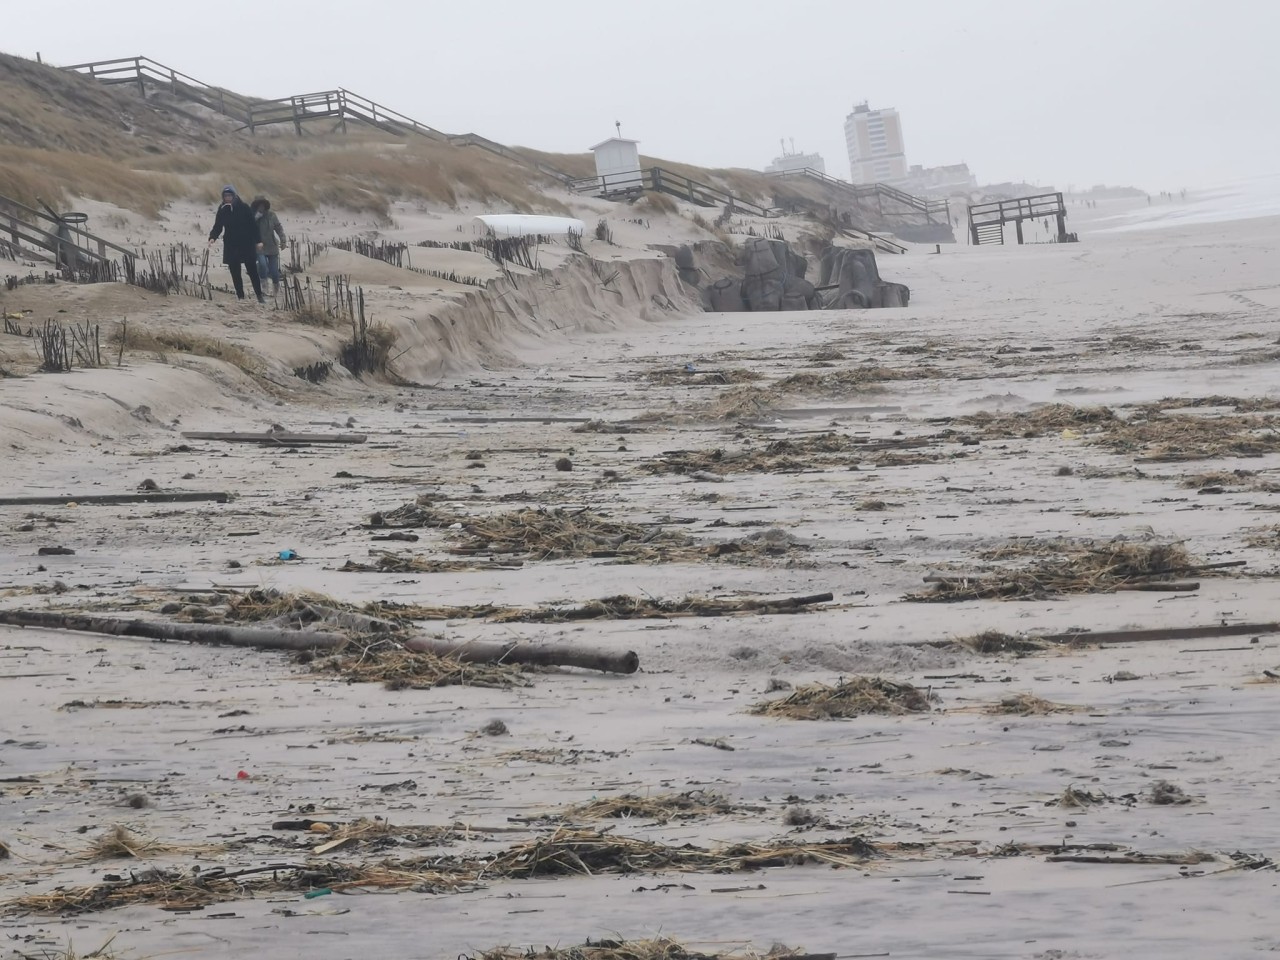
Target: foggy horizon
1159	95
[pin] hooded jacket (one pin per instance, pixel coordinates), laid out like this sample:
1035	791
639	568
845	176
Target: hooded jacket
268	228
239	230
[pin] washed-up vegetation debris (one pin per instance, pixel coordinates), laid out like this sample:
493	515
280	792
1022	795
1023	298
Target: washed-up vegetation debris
660	808
658	949
540	534
1027	705
383	561
1148	432
566	852
993	641
396	668
120	843
1063	567
850	697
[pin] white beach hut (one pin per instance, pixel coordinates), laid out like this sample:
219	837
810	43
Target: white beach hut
617	164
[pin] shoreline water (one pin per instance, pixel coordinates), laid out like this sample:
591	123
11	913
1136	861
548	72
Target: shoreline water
1240	200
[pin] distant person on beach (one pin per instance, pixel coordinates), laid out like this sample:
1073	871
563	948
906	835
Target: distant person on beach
240	243
270	239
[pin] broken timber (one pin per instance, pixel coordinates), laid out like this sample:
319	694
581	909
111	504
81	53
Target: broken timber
116	498
558	655
1163	633
279	439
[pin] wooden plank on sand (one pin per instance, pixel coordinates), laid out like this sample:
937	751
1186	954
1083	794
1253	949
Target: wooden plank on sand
115	498
279	439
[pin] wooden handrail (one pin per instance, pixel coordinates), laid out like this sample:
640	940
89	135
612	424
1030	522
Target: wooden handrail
667	181
141	69
926	205
50	238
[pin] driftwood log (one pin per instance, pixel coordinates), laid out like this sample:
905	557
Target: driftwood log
278	439
1157	634
557	655
115	498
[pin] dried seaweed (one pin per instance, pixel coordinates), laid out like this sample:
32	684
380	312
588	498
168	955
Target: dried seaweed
739	403
701	378
387	662
382	834
1027	705
792	455
584	852
121	843
661	808
604	426
992	641
657	949
1237	404
851	697
565	852
539	534
1051	418
1149	432
621	607
1078	797
387	562
1216	478
1268	537
1164	793
197	887
1078	567
840	383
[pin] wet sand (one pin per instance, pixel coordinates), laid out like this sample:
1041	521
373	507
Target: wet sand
1121	319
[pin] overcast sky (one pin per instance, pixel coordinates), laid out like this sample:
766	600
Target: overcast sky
1158	93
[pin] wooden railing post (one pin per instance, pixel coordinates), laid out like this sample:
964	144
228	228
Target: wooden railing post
137	66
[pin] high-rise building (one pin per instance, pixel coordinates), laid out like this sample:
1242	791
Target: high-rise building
874	139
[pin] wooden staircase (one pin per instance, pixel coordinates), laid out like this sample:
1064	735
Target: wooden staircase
987	220
339	106
889	202
628	186
988	233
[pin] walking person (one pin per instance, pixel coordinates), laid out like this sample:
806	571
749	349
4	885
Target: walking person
270	239
240	243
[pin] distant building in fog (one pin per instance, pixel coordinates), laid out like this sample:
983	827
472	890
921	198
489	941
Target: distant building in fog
945	180
874	140
791	160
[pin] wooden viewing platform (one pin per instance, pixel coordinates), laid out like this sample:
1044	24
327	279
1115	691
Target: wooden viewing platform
987	220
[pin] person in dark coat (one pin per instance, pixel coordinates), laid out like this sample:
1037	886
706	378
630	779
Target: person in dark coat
240	241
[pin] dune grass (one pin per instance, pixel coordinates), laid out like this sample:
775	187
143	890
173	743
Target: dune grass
364	177
29	174
163	342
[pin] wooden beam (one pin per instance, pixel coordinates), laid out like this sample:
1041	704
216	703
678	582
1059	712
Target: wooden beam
114	498
278	439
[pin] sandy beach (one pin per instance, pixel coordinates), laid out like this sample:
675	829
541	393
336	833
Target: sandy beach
1120	808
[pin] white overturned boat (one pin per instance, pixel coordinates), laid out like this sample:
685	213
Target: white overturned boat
530	225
